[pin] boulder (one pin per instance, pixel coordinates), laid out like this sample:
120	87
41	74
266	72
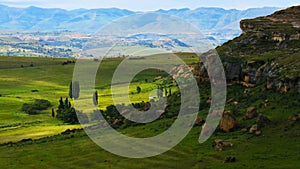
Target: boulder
235	103
220	144
118	122
253	129
258	133
251	112
262	120
266	103
244	130
228	122
295	117
198	122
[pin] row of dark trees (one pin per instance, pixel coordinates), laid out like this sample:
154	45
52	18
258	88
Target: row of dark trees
67	113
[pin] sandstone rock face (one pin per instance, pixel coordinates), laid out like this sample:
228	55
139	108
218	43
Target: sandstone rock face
266	25
251	113
265	52
233	71
254	72
228	122
279	30
283	85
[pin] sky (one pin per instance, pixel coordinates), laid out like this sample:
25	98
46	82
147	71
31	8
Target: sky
150	5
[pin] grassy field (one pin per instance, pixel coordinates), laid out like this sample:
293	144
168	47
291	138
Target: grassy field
273	150
49	77
277	148
52	80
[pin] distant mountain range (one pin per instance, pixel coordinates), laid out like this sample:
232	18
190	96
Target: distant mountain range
221	24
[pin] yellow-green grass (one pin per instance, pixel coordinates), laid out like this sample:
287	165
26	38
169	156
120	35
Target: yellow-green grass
47	76
52	80
277	147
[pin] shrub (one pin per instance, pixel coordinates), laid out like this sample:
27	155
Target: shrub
138	89
36	107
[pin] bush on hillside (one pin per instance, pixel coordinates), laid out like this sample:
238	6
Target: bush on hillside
36	107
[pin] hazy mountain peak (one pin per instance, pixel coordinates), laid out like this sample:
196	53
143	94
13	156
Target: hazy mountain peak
216	21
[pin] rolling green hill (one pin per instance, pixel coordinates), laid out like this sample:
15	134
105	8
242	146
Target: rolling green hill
259	129
45	78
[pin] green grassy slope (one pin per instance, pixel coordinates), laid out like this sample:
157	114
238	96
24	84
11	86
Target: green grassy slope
52	79
276	148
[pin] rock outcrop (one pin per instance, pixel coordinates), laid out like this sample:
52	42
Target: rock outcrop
228	122
251	113
220	144
267	51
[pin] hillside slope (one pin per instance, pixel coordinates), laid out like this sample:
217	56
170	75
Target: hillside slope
267	51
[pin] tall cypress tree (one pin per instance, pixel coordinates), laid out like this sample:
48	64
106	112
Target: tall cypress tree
61	103
95	98
71	90
75	90
53	113
66	105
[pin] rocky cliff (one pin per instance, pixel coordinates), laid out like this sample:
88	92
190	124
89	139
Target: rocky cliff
267	51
